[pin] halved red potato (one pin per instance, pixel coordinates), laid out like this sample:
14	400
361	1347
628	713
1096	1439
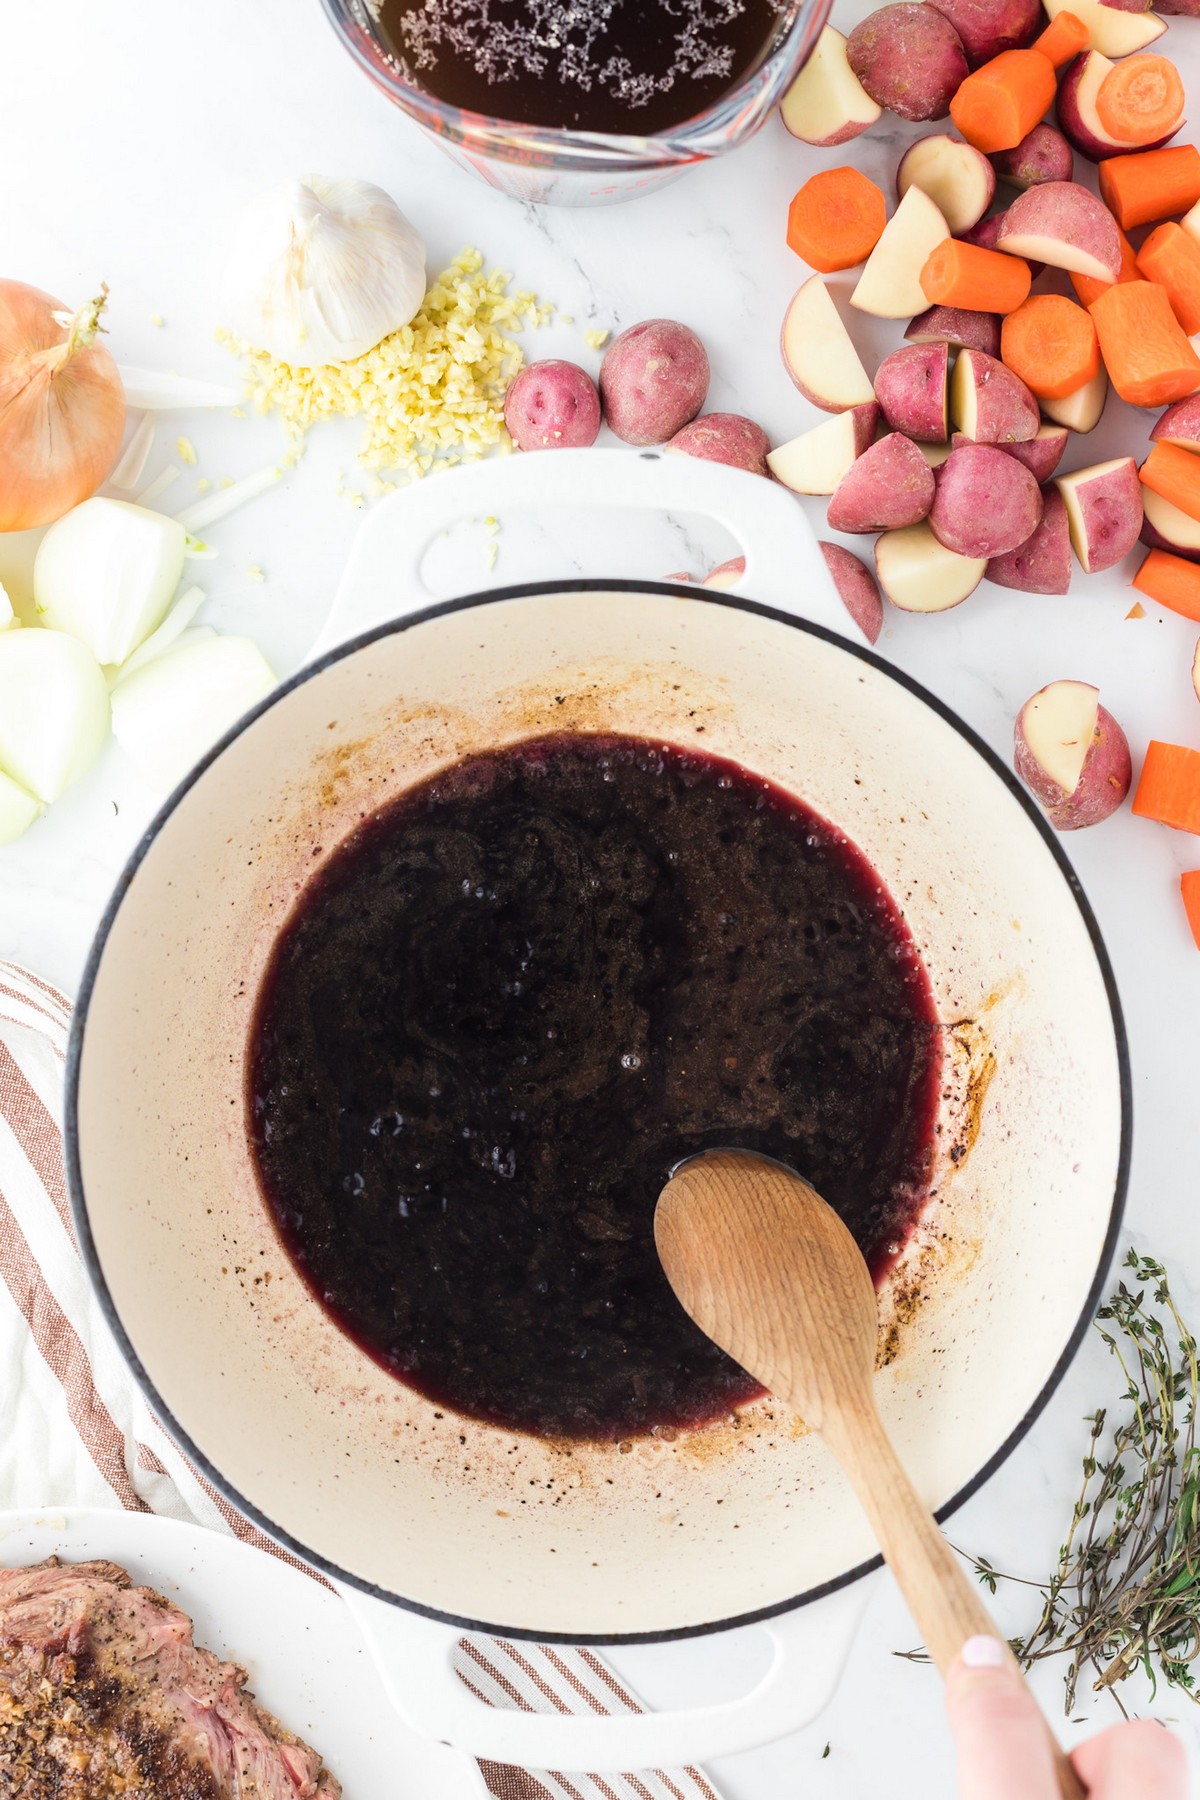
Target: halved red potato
827	104
1062	223
1077	115
816	461
920	575
958	178
1072	755
818	353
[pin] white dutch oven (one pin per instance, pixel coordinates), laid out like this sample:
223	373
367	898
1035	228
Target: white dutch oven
411	1507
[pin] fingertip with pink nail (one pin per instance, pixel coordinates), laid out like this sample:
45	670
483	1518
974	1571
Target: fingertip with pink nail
984	1653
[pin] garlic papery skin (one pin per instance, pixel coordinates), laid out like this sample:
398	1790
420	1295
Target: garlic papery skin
321	270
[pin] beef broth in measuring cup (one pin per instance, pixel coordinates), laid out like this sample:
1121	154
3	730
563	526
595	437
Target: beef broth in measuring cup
619	67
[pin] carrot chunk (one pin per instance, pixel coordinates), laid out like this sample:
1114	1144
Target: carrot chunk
1140	99
836	220
1151	185
1063	39
1050	343
966	275
1172	581
1169	788
1174	473
1002	102
1171	257
1088	287
1146	352
1189	883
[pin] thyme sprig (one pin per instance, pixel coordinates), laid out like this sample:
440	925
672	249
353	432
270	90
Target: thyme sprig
1125	1591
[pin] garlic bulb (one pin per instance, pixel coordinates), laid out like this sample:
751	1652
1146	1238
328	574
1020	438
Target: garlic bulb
321	270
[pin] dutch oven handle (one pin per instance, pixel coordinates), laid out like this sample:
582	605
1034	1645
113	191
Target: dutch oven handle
784	564
415	1658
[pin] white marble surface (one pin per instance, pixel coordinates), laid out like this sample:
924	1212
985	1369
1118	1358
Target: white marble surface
129	134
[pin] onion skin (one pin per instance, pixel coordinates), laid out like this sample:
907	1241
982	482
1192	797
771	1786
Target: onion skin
62	408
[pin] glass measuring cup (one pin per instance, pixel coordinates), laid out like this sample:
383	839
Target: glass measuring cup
576	168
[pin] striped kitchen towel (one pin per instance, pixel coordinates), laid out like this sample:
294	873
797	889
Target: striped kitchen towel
75	1429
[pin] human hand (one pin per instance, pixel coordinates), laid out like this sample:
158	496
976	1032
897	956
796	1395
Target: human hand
1004	1752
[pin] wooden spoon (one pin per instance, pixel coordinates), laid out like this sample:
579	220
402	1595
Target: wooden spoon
768	1271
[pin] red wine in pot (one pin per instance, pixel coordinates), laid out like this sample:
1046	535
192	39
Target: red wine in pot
623	67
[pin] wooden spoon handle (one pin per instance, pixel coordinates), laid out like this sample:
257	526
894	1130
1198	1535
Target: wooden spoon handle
944	1603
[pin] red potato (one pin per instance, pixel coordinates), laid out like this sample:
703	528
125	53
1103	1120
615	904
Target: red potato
1104	511
827	104
1180	424
856	586
986	27
653	380
1042	155
988	404
920	575
1065	225
954	325
726	575
1180	9
724	438
958	178
984	503
1077	115
935	454
552	405
1082	410
1072	755
818	354
1111	30
890	485
1043	453
1042	564
987	235
1195	671
909	58
816	461
912	387
985	232
1167	527
890	284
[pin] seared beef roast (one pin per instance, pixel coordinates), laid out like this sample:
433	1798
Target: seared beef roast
103	1694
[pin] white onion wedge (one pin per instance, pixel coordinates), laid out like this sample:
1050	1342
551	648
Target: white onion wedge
132	466
165	479
156	392
18	809
106	573
203	513
172	627
8	618
54	712
168	713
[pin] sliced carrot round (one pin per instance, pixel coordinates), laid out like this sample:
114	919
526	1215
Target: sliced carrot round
1050	344
836	219
1140	99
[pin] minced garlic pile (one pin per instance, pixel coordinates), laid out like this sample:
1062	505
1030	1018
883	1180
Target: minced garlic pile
431	393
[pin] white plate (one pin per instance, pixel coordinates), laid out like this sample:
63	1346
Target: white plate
294	1638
